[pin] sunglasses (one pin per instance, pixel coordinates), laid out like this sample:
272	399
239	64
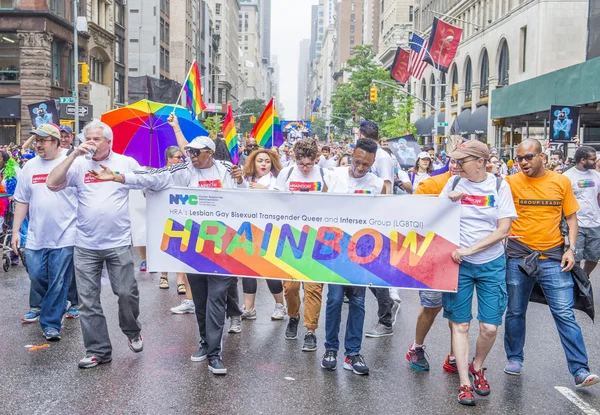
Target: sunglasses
177	157
527	157
195	152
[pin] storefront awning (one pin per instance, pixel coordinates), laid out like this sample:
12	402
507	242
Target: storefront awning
421	127
10	108
478	123
461	125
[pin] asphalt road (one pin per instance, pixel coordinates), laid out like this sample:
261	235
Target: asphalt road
268	374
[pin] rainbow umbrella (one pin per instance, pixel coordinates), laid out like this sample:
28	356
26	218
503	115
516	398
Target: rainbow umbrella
141	130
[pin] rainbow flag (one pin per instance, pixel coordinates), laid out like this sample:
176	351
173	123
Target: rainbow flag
267	130
230	134
193	91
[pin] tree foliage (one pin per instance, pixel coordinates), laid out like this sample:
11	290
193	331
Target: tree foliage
251	107
351	100
213	125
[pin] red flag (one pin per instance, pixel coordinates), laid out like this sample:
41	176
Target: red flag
440	49
399	70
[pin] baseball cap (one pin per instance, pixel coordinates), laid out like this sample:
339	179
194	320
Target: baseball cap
45	130
28	155
201	143
472	148
66	129
424	155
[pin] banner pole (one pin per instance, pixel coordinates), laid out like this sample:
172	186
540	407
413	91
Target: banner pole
184	82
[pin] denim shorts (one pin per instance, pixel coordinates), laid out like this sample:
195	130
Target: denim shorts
430	299
490	281
588	244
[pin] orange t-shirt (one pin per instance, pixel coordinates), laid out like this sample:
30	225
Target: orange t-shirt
433	185
540	203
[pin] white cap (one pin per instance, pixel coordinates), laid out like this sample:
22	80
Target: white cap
424	155
201	143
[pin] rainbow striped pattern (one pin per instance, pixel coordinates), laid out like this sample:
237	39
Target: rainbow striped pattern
267	130
362	192
230	134
324	254
479	201
193	91
305	186
585	183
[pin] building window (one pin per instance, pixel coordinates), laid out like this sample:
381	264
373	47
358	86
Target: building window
410	14
6	4
484	74
164	7
523	54
424	90
9	58
503	64
119	13
353	17
443	96
468	81
454	84
432	90
120	50
352	40
58	7
70	70
96	70
55	64
218	9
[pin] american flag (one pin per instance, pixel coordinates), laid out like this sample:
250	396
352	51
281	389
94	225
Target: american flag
416	65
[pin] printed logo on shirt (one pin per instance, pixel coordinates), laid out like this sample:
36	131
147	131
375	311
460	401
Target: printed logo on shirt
88	178
306	186
210	184
585	183
534	202
479	201
363	192
39	178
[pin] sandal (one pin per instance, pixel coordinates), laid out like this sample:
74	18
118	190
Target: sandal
181	289
163	283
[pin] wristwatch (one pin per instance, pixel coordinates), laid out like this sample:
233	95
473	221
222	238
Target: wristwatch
573	248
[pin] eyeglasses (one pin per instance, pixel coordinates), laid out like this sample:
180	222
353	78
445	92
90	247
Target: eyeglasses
177	157
527	157
196	152
305	166
42	141
462	162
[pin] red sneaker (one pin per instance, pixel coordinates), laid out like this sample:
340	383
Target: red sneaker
465	395
449	365
480	383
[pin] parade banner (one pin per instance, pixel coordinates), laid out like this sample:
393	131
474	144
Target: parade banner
382	241
564	122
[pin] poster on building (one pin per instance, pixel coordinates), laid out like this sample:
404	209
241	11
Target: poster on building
405	149
564	122
43	113
381	241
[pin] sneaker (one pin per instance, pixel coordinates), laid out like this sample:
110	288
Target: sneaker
248	314
395	295
380	331
395	309
216	366
417	359
200	355
513	367
291	332
186	307
143	266
584	378
279	313
356	364
51	334
465	395
136	345
72	312
91	361
31	316
236	325
310	342
329	360
450	365
480	383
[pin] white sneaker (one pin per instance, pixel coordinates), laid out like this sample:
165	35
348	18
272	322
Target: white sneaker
136	345
236	325
395	295
186	307
248	314
279	313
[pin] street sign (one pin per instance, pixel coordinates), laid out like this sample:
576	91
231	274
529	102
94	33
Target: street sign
67	112
66	100
442	124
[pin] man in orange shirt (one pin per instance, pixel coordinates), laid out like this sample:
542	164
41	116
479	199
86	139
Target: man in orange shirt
541	198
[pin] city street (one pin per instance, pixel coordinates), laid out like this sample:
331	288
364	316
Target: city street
267	374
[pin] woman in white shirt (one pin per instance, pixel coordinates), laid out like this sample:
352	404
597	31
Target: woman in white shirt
422	170
261	170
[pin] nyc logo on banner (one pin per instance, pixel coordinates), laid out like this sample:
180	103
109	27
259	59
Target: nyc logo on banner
388	241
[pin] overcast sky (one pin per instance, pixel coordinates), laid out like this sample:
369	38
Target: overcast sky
290	23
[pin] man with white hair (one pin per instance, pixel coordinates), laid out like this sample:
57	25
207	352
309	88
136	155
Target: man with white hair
103	236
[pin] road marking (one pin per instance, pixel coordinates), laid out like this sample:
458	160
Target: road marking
585	407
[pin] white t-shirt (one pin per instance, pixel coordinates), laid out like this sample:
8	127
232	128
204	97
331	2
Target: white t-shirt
481	209
103	208
383	166
267	180
329	164
339	181
586	186
297	182
52	215
419	177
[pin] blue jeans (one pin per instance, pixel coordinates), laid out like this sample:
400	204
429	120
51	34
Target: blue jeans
354	323
50	272
558	289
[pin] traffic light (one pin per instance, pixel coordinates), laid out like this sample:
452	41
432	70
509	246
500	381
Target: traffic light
312	118
85	73
373	94
253	120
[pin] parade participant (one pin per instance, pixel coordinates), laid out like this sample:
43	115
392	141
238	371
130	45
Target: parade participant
261	170
585	182
493	166
344	160
208	291
503	168
556	166
26	156
50	232
66	137
542	198
250	147
285	158
422	170
326	160
383	167
305	176
482	265
598	165
353	179
557	156
431	301
103	237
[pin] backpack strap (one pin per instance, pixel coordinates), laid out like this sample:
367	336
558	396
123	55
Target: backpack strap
455	182
498	184
289	174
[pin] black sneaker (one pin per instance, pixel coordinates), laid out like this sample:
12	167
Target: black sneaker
291	332
216	366
329	360
417	359
310	342
356	364
201	354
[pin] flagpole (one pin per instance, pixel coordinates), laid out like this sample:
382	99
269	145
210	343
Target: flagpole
184	82
273	124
